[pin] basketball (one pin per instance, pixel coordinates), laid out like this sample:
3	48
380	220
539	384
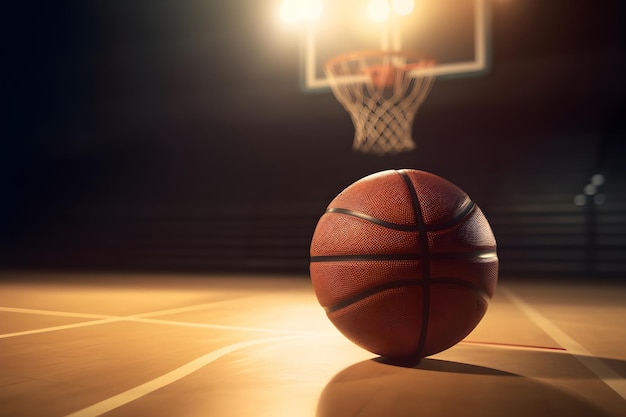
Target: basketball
404	263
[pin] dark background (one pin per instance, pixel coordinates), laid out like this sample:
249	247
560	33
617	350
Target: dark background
173	135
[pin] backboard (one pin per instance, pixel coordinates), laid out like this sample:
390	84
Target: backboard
453	33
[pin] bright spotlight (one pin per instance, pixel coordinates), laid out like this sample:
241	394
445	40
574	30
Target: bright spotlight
294	11
379	10
402	7
312	9
289	12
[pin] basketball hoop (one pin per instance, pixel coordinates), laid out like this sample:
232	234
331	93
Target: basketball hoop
382	91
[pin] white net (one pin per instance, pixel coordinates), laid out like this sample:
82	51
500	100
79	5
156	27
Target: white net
382	91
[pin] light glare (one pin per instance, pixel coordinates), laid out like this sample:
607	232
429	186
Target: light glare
402	7
289	12
313	9
379	10
294	11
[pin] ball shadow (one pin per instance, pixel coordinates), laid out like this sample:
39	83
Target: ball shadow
544	364
434	387
438	365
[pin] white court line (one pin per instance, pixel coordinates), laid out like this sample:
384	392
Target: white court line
611	378
53	313
224	326
168	378
106	316
138	318
63	327
103	319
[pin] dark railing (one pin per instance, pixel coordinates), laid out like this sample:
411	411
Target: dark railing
533	239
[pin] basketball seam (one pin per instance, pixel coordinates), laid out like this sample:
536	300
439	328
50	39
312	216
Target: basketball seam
469	206
404	283
368	257
372	291
423	241
422	253
465	256
372	219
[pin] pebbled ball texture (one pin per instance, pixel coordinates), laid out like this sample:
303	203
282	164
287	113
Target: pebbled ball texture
404	263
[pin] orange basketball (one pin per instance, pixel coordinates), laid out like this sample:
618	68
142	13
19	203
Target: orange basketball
404	263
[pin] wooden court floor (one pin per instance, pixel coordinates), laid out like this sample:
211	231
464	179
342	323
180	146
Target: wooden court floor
87	344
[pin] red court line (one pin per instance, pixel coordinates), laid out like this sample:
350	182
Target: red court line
514	345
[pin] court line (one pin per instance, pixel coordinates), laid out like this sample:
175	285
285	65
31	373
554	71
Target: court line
168	378
611	378
514	346
223	326
103	319
106	316
62	327
52	313
139	318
